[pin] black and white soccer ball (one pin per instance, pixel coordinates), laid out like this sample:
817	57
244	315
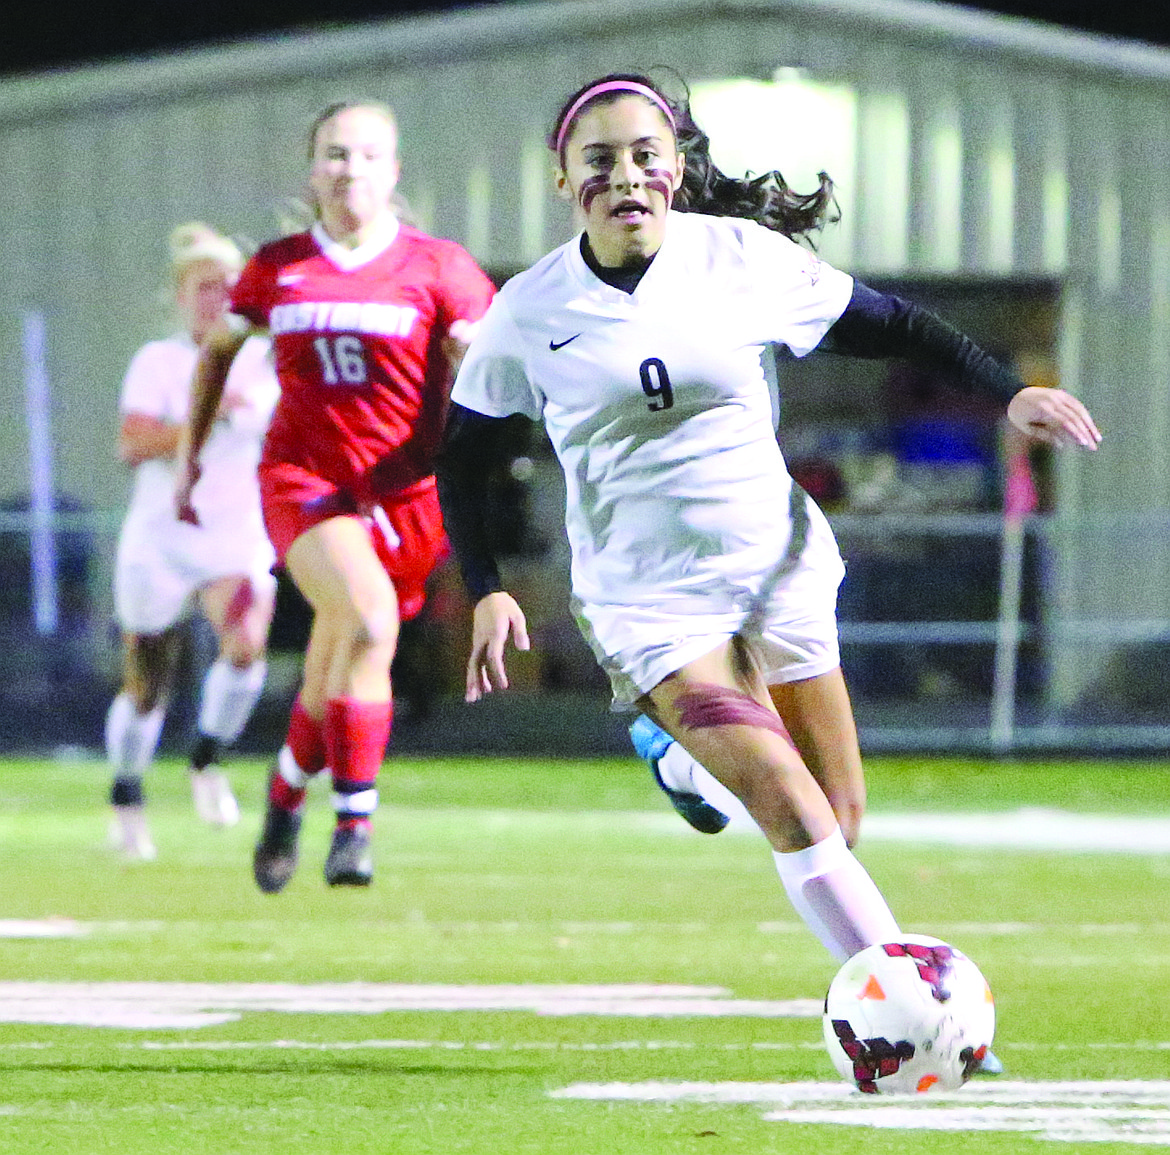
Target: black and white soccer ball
908	1017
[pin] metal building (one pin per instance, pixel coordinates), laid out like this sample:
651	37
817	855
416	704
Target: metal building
980	147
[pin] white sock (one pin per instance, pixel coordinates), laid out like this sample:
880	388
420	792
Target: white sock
680	771
716	794
676	768
364	802
131	737
287	768
229	696
834	895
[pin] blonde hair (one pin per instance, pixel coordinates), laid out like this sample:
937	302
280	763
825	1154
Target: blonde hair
195	241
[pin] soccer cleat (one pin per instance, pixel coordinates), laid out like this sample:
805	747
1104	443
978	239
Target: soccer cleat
214	801
989	1065
275	858
650	743
130	835
351	858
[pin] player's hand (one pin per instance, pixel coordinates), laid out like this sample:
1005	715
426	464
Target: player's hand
496	616
188	476
1053	416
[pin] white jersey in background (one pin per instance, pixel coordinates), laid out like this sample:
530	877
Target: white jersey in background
658	408
162	561
158	384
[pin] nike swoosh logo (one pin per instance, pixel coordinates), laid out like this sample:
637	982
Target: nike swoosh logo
555	345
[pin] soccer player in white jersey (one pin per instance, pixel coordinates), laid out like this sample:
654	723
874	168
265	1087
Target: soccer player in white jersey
704	579
164	564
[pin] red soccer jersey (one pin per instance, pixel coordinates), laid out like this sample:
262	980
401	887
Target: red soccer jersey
356	337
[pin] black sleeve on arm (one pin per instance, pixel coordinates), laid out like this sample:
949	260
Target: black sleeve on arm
472	447
880	325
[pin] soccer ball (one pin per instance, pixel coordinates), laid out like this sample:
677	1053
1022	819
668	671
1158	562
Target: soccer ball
906	1017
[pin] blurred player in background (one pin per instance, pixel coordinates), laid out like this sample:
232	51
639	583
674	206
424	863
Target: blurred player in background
703	577
367	317
164	564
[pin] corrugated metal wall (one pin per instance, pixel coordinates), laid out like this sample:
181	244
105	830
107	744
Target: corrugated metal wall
983	147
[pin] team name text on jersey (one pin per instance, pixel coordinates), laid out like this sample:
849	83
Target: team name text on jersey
342	317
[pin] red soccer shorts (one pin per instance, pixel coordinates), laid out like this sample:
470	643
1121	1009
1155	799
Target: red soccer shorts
406	529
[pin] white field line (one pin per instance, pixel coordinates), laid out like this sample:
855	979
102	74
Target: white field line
1136	1112
413	925
557	1045
1151	1092
183	1005
1030	828
1033	828
42	928
550	1045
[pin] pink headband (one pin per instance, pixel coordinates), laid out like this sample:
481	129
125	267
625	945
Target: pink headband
610	86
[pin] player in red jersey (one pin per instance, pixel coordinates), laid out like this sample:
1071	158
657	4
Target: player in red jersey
368	318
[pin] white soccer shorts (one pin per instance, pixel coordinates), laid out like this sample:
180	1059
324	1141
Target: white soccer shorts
158	571
788	617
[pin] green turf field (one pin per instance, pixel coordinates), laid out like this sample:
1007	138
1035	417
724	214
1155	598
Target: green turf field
546	955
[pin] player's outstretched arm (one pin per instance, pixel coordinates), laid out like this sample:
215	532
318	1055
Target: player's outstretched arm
876	324
496	617
1053	416
216	355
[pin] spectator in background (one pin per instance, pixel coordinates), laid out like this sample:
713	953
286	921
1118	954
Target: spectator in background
367	317
164	564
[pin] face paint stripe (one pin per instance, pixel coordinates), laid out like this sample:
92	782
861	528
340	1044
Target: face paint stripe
660	181
655	180
591	189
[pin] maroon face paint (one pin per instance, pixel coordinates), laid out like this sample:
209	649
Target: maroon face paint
660	180
705	706
657	180
591	189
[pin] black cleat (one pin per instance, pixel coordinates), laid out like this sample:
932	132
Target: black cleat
351	858
274	860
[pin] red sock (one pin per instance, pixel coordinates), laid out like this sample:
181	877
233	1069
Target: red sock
304	747
306	740
356	734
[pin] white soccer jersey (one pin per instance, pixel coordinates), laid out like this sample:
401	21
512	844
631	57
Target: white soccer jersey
158	384
658	408
162	561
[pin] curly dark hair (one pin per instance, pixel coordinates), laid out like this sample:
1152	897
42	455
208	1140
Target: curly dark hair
766	199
